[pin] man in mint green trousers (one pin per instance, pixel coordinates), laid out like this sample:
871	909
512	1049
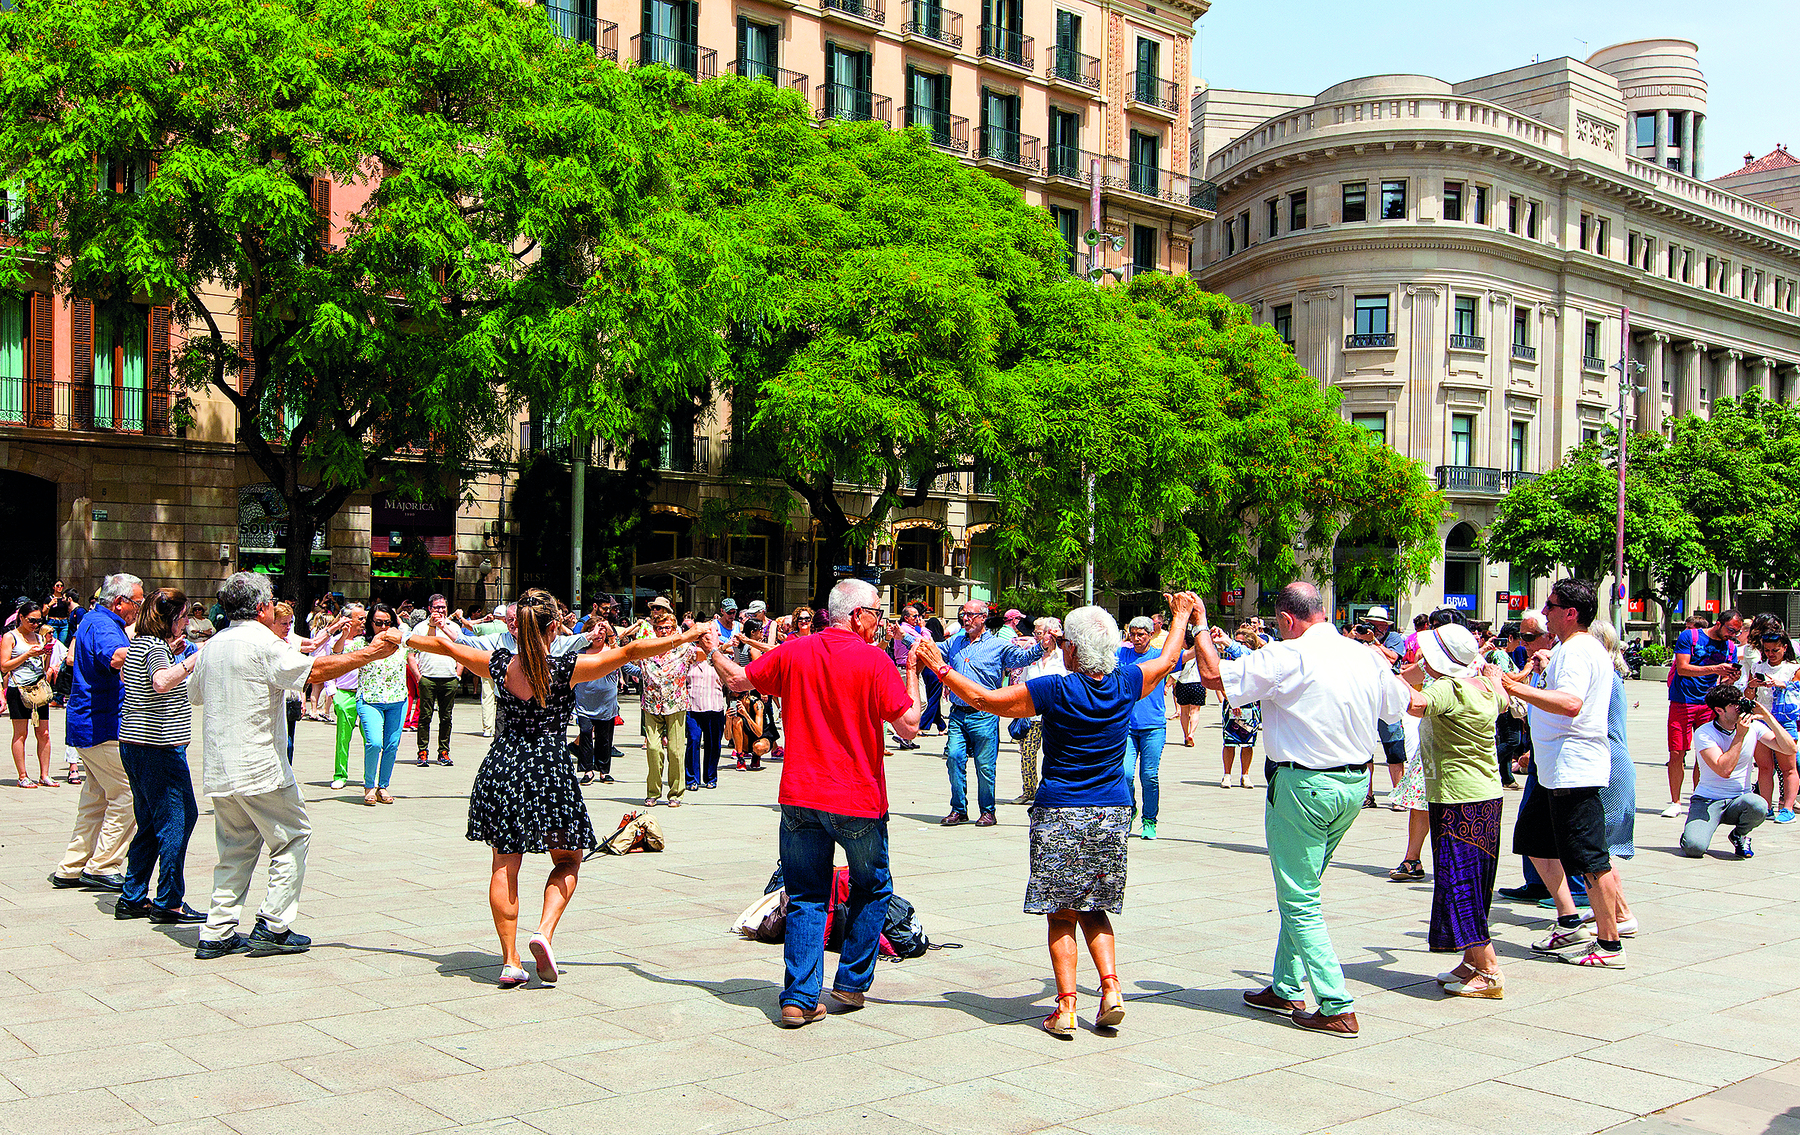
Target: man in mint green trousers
1321	695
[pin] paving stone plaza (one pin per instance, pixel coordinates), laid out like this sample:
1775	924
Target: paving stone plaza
393	1024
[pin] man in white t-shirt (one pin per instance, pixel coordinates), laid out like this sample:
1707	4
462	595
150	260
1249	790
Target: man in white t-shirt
1726	793
1562	827
439	677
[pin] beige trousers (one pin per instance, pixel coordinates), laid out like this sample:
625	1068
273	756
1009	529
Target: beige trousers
665	744
243	826
104	820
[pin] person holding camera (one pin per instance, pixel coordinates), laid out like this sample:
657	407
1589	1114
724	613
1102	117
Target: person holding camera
1704	657
1376	630
1726	793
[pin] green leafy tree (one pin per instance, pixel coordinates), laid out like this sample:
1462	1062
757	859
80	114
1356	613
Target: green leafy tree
1734	471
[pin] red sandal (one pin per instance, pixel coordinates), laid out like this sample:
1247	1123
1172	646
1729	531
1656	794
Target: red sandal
1112	1003
1062	1022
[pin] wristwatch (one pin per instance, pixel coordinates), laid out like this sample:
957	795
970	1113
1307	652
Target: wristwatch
940	671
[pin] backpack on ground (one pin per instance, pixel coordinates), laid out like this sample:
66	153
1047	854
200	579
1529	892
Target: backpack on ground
636	832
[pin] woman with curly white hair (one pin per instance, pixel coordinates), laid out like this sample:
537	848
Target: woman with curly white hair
1081	813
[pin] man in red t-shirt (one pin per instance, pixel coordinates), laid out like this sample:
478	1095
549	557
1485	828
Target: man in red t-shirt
837	690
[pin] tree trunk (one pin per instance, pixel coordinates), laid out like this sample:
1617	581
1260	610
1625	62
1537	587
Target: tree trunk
832	550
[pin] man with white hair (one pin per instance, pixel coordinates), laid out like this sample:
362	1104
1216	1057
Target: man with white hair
836	689
241	682
104	816
1321	696
984	658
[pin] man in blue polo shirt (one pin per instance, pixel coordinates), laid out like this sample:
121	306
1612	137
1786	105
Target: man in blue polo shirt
984	657
104	820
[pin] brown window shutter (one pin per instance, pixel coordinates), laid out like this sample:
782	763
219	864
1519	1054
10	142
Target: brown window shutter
42	412
159	419
246	345
81	364
321	198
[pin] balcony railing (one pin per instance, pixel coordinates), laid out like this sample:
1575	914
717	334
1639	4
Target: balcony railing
1009	148
1069	163
1470	479
1006	46
698	63
756	69
1519	477
1467	343
947	131
1070	66
1521	351
871	10
600	35
1171	186
68	406
1355	342
1142	88
932	21
852	104
1593	363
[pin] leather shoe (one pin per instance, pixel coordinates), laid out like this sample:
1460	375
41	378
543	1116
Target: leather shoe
1267	998
953	819
793	1016
850	999
179	914
102	882
61	883
125	908
1337	1024
986	821
1530	892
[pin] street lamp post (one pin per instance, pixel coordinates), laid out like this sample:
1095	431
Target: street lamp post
1095	273
1626	366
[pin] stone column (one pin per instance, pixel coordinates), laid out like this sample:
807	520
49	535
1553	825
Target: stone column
1425	370
1730	383
1650	403
1698	144
1687	399
1662	139
1765	378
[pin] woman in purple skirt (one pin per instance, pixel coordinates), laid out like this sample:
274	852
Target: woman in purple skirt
1462	789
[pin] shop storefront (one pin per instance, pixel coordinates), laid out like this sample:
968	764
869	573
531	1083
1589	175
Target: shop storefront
263	537
412	548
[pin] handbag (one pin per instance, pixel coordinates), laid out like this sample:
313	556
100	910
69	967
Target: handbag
37	695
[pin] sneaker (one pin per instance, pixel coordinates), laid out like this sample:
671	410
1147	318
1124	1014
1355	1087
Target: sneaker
1627	927
511	977
444	759
286	942
1672	811
1580	904
1596	957
423	762
1741	845
1562	937
339	783
953	819
1149	829
1225	782
236	944
1530	892
1783	816
740	763
1024	798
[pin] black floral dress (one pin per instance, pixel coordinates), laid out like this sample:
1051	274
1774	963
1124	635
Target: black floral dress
526	796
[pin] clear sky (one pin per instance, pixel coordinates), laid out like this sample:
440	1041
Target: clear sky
1749	50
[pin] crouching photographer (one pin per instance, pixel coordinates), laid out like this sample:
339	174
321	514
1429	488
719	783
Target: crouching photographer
1727	794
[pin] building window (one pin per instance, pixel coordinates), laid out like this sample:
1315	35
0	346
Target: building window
1513	205
1144	242
848	94
1464	320
1068	226
1601	244
1531	218
1244	228
1371	315
1462	439
1146	174
1478	198
1297	211
1356	201
1453	198
1646	131
1588	437
1521	327
758	49
1688	256
1586	227
1272	227
1393	200
1631	248
13	368
1230	237
121	344
1282	320
1590	339
928	105
1374	424
1519	450
1064	159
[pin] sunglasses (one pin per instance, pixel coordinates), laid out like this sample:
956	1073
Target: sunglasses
40	622
1772	638
804	619
382	622
1532	637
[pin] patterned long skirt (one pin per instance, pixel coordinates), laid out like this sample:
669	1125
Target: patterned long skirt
1465	852
1077	859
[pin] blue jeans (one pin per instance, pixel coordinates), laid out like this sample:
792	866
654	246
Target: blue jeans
162	796
972	734
1143	762
381	721
807	839
705	732
934	703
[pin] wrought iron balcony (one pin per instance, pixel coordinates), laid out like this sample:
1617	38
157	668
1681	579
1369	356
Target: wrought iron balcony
600	35
852	104
871	11
1143	88
1070	66
1009	148
1593	363
1467	343
83	407
931	21
1521	351
698	63
1519	477
1069	163
1470	479
1357	342
1006	46
947	131
1170	186
756	69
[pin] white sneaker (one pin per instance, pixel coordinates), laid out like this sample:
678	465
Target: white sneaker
1627	927
1244	782
1671	811
338	783
1561	938
1225	782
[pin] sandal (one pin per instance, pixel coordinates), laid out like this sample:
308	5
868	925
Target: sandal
1062	1022
1482	984
1409	871
369	797
27	782
1112	1003
47	782
384	796
1463	972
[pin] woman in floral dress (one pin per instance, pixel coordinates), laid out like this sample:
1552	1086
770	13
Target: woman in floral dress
526	796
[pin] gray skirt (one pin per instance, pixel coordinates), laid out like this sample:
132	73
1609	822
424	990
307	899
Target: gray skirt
1078	859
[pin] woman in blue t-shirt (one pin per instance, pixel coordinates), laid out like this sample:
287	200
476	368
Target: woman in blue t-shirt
1081	812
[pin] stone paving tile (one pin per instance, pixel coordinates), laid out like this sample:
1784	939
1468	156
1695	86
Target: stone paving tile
665	1111
381	1110
475	1097
391	1065
217	1093
840	1080
99	1068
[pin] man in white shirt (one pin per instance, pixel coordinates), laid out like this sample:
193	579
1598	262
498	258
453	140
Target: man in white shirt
1726	792
439	677
1562	827
241	682
1321	696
